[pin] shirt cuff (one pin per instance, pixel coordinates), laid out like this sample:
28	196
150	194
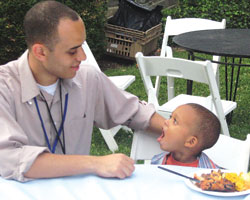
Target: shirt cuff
141	120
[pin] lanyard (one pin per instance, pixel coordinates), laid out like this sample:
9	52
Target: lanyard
61	128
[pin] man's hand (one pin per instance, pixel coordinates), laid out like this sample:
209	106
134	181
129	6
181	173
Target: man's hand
114	165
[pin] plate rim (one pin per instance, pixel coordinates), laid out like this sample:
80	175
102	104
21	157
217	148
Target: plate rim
192	186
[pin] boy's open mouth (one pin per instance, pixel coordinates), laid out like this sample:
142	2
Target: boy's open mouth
161	136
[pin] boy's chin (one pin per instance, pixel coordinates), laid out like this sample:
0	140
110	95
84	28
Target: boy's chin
164	148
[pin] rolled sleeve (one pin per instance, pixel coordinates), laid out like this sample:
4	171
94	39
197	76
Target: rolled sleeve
27	156
19	161
141	119
16	154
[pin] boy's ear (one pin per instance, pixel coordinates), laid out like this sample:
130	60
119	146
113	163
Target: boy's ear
39	51
192	141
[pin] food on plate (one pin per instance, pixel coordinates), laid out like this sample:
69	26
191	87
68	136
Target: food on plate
214	181
241	181
223	181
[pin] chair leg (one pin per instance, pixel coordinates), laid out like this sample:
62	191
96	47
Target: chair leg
125	128
108	136
147	162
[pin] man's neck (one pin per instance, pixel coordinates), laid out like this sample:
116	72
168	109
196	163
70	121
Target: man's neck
39	73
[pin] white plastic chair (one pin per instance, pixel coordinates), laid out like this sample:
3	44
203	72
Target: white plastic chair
198	71
182	25
122	82
228	152
231	153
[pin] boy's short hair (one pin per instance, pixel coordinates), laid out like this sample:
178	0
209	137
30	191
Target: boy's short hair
41	22
207	126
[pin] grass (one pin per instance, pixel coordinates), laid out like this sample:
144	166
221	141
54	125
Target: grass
239	127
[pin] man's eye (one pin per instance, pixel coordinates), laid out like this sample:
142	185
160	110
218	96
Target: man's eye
72	52
175	121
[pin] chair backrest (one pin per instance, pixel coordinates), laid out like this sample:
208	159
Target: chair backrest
90	59
144	145
228	152
231	153
182	25
198	71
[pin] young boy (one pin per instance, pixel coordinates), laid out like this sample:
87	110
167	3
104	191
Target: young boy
190	130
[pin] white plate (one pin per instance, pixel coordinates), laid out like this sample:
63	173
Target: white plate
192	185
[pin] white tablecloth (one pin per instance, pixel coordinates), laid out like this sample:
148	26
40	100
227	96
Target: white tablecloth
147	182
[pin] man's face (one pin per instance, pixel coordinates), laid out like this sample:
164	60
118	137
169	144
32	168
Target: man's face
177	129
63	62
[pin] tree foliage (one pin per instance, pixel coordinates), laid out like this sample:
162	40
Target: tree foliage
236	12
12	12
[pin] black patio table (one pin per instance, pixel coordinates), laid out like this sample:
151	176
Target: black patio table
232	44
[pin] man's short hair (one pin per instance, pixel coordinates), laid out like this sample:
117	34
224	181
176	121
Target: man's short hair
41	22
207	126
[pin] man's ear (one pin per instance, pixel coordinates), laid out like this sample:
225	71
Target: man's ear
192	141
39	51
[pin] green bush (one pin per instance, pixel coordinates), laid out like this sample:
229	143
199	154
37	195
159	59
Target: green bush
236	12
12	12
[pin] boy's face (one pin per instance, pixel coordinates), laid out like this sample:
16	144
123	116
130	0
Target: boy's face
178	129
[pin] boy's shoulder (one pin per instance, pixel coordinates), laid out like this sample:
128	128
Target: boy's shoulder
158	159
206	162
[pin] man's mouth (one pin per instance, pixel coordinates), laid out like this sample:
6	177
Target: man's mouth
76	68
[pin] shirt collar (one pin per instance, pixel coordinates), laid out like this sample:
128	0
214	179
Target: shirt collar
29	88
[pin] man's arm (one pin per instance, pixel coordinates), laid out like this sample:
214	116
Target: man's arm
49	165
156	123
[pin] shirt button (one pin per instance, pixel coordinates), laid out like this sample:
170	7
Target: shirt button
30	102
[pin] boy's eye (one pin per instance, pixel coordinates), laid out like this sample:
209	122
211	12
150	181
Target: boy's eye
174	119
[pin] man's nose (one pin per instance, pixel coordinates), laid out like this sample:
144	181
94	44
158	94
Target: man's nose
81	55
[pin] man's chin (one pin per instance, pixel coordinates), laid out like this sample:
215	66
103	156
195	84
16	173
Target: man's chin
70	75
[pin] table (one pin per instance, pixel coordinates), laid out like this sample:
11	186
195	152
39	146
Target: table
147	182
233	44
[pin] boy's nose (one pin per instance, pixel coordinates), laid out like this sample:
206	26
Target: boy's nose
166	122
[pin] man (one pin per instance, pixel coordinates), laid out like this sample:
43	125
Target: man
48	104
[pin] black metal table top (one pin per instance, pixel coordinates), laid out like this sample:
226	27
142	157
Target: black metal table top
221	42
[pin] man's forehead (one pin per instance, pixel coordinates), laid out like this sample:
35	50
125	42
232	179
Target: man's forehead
71	33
